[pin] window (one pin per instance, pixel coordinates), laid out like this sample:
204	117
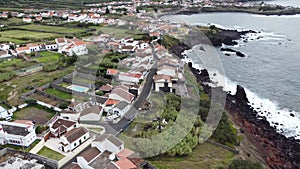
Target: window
74	144
84	137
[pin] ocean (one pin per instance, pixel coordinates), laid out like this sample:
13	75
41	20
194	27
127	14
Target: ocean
270	72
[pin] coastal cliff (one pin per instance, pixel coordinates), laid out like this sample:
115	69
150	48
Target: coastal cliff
276	150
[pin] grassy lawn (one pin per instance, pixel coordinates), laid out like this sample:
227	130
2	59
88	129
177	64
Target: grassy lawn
41	116
119	32
26	149
204	156
47	152
53	29
47	57
27	35
59	93
17	41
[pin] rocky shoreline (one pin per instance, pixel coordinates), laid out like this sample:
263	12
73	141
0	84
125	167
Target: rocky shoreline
277	150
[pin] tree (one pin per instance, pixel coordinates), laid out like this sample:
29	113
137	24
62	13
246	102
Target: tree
99	93
63	105
243	164
107	11
9	15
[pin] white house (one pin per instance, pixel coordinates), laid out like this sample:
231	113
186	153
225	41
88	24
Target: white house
92	113
73	138
70	114
122	95
3	113
4	46
21	133
61	126
4	54
71	46
27	20
107	142
167	70
121	108
23	50
34	47
51	46
162	83
131	78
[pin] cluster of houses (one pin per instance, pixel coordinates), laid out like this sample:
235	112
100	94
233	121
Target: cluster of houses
107	152
115	102
61	45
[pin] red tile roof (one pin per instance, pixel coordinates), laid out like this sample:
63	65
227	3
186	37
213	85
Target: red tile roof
90	154
125	163
112	71
91	110
106	88
75	134
124	94
125	153
62	122
111	102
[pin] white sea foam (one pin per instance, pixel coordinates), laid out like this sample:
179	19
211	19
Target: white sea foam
276	16
278	117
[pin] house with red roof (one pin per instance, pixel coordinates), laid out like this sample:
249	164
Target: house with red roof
73	138
121	95
130	78
112	72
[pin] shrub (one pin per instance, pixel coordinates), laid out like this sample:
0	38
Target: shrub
243	164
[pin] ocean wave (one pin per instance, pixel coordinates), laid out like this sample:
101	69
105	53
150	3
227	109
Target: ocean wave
285	121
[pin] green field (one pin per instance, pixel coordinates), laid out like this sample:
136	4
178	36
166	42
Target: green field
18	34
14	64
53	29
47	57
47	152
59	93
13	89
41	4
119	32
39	115
204	156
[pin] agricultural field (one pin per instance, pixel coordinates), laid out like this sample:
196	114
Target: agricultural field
25	36
47	57
119	32
47	152
204	155
12	90
41	4
39	115
13	64
51	29
59	93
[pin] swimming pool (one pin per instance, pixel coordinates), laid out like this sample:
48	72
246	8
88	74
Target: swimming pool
78	88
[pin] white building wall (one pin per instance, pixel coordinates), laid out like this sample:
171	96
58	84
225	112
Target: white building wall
75	144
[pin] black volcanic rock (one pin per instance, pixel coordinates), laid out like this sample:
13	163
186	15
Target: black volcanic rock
204	76
227	37
240	95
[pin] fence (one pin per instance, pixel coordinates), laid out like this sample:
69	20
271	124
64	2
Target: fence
43	160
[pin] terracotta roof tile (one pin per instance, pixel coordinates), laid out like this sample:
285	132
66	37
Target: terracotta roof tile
90	154
75	134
